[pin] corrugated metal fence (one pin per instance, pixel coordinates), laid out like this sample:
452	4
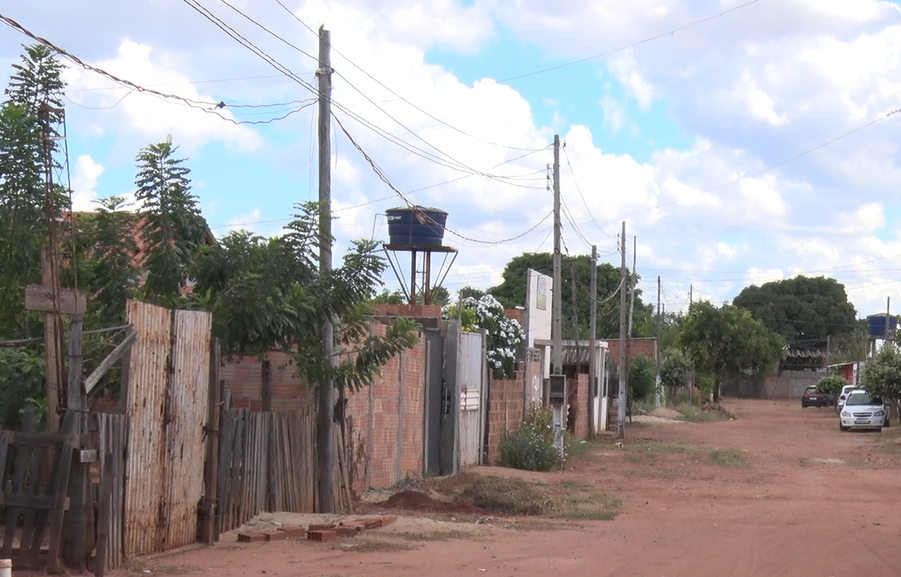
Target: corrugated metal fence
168	382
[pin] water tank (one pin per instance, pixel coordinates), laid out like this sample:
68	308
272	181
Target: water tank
876	326
416	226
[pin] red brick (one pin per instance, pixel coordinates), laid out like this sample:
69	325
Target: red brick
275	535
321	535
347	530
251	537
321	526
294	531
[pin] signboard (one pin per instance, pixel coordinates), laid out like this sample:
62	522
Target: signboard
539	289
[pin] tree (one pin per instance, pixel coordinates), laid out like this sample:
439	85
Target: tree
504	335
882	376
34	96
512	292
109	270
728	343
642	379
832	384
675	367
804	310
171	225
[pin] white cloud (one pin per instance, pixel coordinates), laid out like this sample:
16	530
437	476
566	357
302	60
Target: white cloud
84	183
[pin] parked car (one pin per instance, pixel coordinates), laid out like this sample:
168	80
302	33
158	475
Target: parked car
844	395
811	398
863	410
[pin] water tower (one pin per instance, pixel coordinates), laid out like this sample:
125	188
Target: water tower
417	233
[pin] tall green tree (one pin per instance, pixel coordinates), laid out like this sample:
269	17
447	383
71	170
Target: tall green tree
34	97
804	310
512	292
109	271
171	225
882	376
727	342
675	367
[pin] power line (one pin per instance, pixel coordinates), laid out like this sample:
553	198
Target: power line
626	47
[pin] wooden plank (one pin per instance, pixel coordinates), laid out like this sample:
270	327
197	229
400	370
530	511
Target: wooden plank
40	298
103	521
61	481
106	364
22	452
226	443
210	491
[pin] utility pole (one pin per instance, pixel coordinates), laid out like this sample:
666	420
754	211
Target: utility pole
326	396
657	350
593	392
621	397
557	310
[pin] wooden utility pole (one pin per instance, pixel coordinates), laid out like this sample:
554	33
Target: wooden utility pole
593	384
657	351
326	396
621	397
557	310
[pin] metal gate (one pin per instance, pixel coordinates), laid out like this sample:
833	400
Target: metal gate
463	411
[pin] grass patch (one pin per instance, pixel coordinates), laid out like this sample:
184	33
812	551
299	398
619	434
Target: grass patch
727	458
655	473
591	506
507	495
705	414
377	546
661	448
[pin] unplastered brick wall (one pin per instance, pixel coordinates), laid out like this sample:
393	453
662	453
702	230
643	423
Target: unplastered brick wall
505	410
243	377
643	346
386	421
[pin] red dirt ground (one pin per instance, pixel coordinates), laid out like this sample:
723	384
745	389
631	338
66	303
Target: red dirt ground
806	500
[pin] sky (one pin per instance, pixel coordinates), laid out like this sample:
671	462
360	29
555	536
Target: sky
741	141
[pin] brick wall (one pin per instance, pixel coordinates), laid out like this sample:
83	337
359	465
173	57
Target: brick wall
643	346
392	458
505	410
386	420
243	377
577	420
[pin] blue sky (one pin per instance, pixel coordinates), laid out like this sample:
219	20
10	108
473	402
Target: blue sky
742	142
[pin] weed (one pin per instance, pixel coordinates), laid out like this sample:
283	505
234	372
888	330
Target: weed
508	495
590	506
532	446
727	458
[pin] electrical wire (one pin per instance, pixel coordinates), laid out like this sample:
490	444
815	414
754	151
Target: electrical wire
579	189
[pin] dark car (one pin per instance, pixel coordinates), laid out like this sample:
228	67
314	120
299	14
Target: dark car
811	398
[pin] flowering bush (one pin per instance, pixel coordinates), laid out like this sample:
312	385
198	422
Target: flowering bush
504	334
532	447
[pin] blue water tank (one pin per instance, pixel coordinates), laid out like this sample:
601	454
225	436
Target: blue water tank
876	326
416	225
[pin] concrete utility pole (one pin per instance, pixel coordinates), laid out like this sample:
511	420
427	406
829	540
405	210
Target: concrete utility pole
593	386
326	396
621	400
557	310
657	351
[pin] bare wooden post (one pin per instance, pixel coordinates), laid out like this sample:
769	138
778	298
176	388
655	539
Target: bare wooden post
210	492
78	526
266	379
52	347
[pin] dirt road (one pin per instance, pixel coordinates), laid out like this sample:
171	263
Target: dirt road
777	491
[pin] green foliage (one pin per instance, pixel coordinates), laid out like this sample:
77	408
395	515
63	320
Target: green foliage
35	90
171	225
831	384
804	310
504	335
532	446
675	367
268	294
21	378
728	343
882	376
642	378
109	272
512	292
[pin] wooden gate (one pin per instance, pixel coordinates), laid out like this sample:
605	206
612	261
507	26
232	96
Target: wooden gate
34	471
168	385
471	384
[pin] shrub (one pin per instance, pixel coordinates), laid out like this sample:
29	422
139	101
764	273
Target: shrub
21	379
532	447
831	384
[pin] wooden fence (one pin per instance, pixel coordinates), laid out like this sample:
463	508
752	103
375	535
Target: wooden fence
34	472
267	462
113	439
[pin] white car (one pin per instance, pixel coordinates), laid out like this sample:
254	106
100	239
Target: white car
844	395
862	410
